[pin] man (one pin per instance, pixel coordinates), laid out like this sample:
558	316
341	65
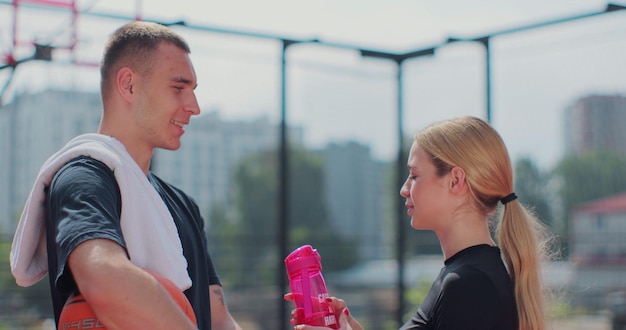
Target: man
108	216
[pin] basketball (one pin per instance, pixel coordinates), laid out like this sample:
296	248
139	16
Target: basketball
77	314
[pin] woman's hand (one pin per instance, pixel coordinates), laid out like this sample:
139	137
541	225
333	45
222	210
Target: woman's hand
346	321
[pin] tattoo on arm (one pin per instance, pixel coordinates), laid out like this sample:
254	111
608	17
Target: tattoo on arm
220	295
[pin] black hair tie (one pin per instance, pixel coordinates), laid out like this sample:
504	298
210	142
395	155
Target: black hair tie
508	198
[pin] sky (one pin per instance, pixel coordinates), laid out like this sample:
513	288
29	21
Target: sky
335	94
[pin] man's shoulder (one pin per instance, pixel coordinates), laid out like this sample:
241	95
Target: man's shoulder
84	161
82	171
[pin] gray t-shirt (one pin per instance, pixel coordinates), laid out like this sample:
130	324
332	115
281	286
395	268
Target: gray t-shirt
84	203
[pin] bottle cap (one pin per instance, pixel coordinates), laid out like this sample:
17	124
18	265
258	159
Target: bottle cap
303	257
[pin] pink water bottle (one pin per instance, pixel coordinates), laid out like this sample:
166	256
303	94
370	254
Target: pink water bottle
304	266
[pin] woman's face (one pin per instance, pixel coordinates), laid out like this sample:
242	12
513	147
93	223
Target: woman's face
425	192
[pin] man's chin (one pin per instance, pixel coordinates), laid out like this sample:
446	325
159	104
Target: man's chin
171	146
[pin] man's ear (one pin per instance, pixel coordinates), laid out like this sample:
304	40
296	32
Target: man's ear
125	81
457	179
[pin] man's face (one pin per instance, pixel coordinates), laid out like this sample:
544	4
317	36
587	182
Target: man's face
167	99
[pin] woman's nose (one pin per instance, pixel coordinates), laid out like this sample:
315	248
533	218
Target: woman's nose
404	190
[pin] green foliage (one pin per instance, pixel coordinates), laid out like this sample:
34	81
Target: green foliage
248	239
21	306
416	295
390	325
591	176
225	245
559	308
6	280
588	177
531	187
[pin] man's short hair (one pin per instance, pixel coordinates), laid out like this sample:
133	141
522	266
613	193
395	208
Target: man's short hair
133	45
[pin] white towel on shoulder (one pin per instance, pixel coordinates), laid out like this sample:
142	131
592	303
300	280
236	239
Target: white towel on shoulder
151	236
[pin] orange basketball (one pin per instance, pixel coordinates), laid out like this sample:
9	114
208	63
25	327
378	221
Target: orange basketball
179	296
77	314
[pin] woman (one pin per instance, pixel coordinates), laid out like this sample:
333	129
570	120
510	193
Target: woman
459	170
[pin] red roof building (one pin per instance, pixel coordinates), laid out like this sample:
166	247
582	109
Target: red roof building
613	204
598	232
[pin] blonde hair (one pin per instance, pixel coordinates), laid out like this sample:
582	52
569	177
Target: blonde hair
472	144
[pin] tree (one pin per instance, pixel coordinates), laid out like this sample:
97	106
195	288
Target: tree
531	187
588	177
224	243
308	213
591	176
21	307
252	232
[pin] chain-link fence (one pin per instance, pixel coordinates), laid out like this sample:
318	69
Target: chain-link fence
557	96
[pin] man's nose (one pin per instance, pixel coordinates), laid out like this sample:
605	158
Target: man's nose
192	105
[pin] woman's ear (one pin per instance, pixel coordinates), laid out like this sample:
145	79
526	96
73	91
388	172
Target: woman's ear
457	179
125	80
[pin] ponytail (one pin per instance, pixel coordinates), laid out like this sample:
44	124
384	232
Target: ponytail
523	242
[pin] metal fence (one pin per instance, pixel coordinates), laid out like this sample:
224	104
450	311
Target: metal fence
556	94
